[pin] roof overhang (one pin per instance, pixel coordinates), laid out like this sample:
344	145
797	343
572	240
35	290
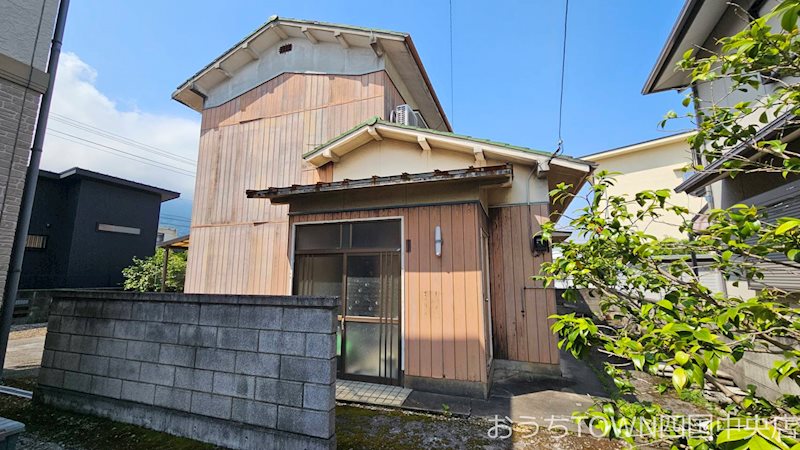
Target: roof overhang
77	172
397	47
375	129
694	26
781	128
178	242
484	176
641	146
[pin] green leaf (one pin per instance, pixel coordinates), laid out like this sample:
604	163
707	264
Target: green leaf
666	304
704	335
759	443
787	226
789	19
679	378
681	357
734	434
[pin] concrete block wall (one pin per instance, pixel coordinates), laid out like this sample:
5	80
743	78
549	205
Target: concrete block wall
753	369
249	372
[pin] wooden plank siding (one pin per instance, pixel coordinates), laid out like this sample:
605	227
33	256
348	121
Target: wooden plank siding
520	305
255	141
443	319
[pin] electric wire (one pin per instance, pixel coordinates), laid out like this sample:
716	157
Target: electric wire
452	87
560	146
92	145
121	139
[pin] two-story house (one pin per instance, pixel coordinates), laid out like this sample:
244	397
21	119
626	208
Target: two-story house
327	166
700	24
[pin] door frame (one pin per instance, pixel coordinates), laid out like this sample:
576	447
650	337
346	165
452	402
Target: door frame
402	219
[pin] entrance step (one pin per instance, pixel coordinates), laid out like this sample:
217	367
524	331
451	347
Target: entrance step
371	393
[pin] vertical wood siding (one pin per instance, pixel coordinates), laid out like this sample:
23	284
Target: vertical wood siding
520	305
443	317
255	141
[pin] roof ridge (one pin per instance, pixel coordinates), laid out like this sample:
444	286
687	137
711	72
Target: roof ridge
277	18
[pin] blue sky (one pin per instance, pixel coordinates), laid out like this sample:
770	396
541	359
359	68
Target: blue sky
507	58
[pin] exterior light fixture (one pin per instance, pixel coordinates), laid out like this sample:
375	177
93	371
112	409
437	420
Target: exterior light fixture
437	240
540	245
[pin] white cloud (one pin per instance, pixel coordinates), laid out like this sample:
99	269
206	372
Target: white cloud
76	98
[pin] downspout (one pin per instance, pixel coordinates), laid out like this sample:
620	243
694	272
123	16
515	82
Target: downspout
31	178
700	159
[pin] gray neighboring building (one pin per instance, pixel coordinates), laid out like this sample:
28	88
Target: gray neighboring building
86	227
26	31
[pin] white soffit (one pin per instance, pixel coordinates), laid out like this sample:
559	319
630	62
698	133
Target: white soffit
365	134
397	47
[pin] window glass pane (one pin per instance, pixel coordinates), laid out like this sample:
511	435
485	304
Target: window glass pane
363	285
380	234
318	275
372	349
325	236
363	349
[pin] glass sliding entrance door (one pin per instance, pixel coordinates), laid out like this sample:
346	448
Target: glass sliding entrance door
359	262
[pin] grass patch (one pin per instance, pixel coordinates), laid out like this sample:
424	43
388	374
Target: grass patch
374	428
696	397
357	428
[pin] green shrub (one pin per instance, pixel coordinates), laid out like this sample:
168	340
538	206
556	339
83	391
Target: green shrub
144	275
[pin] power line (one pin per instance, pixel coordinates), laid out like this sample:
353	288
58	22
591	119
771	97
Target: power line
139	158
121	139
86	143
560	147
452	88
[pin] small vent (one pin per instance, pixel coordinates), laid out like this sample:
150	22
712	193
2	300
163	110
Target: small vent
285	48
36	241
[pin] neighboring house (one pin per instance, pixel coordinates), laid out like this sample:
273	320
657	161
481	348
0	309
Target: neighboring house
659	164
654	164
26	29
699	26
86	227
165	233
358	188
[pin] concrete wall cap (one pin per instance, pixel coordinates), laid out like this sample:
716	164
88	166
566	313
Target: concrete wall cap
298	301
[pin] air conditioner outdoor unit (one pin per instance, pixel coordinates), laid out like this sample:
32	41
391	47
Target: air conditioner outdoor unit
405	115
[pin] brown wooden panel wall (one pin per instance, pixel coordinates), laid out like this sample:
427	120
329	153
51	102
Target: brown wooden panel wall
520	306
255	141
443	320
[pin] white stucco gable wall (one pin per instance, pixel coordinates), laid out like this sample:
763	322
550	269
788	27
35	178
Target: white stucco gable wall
304	57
